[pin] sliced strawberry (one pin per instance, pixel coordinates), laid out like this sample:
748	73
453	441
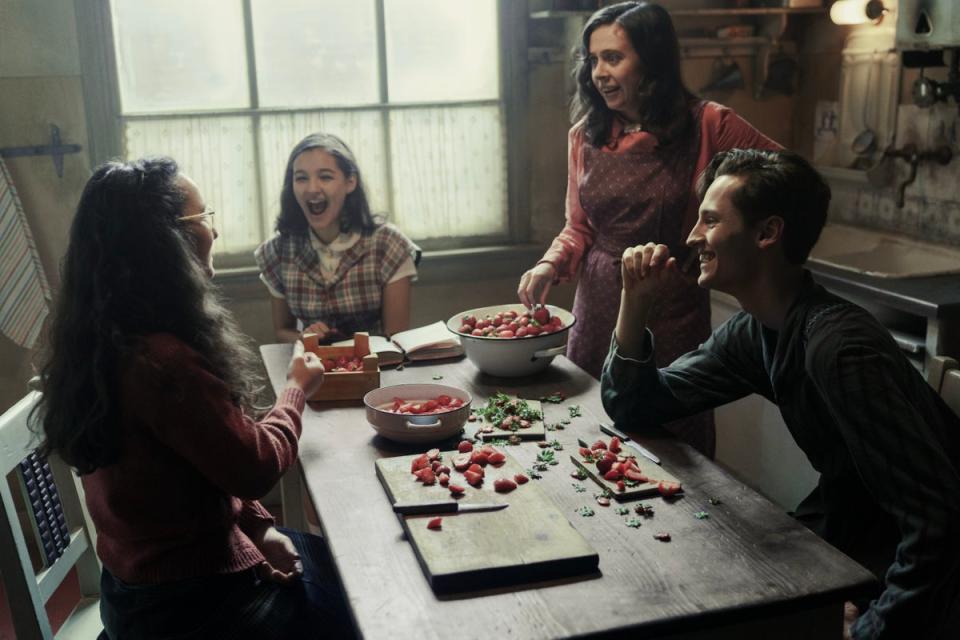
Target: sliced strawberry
461	462
612	475
585	453
435	523
504	485
456	490
443	479
614	444
667	488
480	457
603	501
488	449
604	465
621	487
465	446
496	458
635	475
419	462
433	454
477	469
443	469
519	478
426	475
473	478
435	465
444	400
599	444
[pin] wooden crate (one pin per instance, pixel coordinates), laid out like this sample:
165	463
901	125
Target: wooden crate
346	385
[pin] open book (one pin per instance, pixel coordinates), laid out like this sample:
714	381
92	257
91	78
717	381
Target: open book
432	342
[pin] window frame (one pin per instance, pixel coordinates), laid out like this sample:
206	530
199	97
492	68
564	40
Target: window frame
105	120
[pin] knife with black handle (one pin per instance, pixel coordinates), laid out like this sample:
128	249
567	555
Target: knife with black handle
611	430
447	506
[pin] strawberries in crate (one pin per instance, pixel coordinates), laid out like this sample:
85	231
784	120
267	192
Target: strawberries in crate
351	371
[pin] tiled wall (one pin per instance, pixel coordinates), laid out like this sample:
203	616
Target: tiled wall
931	210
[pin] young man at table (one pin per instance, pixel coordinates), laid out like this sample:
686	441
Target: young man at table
886	446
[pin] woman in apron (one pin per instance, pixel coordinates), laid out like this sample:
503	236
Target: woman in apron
640	140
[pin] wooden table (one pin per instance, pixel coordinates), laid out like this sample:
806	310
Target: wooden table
748	570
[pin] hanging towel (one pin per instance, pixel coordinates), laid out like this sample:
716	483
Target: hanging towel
24	292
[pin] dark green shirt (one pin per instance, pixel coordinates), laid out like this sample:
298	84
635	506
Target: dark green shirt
885	444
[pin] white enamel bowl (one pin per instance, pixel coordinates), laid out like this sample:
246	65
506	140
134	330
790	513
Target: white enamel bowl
402	427
512	357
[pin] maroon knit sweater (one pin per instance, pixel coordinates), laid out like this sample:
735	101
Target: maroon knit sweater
181	500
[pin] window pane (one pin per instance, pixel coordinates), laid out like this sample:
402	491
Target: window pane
361	130
315	52
218	154
180	55
438	50
449	171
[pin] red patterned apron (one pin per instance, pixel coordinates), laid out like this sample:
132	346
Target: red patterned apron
633	198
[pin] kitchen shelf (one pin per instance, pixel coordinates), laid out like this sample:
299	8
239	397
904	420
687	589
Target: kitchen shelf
691	13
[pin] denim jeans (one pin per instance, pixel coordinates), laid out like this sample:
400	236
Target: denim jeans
236	606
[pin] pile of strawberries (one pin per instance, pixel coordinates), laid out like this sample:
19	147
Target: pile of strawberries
622	470
439	404
343	363
510	324
430	469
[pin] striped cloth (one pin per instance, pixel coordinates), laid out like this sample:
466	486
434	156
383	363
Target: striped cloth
24	292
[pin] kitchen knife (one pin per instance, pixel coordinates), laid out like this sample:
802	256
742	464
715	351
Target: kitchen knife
610	430
447	506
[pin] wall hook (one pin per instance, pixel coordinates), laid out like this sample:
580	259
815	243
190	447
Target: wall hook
56	149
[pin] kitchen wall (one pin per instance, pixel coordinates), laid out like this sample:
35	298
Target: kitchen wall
931	210
40	85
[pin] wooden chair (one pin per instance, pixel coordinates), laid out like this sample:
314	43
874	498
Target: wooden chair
950	387
28	590
936	367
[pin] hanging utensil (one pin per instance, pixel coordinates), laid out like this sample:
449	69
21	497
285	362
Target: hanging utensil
865	142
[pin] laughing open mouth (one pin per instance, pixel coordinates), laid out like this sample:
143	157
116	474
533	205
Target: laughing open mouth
316	207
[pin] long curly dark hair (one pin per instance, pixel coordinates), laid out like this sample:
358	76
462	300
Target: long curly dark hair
130	271
356	213
666	108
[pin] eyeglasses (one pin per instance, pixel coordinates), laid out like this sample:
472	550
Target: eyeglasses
206	213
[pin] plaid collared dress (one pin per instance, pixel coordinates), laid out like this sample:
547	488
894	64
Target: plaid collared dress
353	299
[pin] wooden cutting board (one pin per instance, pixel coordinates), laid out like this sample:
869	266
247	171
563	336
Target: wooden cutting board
536	431
648	489
529	541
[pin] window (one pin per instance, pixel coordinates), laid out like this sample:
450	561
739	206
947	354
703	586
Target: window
227	87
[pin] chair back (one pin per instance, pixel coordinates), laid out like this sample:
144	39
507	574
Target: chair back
57	528
950	389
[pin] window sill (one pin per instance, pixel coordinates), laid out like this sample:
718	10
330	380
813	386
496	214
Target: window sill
436	267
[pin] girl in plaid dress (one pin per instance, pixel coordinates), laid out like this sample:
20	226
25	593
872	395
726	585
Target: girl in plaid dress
333	268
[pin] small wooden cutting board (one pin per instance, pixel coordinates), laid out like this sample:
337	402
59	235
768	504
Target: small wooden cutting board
646	490
536	431
531	540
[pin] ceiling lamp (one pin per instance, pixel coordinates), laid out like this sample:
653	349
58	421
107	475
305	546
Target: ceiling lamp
857	11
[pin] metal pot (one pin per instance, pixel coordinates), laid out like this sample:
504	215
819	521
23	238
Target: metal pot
403	427
512	357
